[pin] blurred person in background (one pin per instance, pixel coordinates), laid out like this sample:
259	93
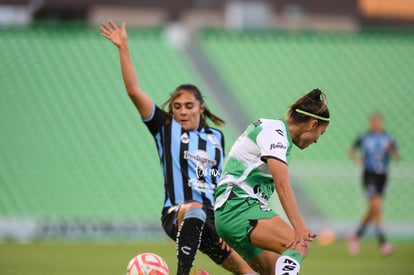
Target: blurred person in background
373	150
191	155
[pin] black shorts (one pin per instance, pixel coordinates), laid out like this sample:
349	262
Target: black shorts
210	244
374	184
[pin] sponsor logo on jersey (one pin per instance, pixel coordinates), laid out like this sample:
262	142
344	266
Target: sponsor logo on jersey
203	168
204	172
200	158
201	186
277	145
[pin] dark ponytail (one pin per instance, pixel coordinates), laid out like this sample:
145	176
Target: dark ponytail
207	114
312	105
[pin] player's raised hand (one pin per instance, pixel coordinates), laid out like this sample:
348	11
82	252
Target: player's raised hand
116	35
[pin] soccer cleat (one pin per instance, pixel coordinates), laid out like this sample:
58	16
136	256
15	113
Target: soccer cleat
386	249
353	246
200	271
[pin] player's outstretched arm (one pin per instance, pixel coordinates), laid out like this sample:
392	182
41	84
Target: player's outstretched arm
393	150
353	151
119	37
353	155
280	175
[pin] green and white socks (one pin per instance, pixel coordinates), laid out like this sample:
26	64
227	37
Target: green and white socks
288	263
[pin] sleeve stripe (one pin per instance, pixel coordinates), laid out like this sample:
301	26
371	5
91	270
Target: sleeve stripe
151	116
264	159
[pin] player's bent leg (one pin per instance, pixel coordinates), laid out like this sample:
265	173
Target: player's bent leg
270	263
191	220
237	265
376	208
289	262
385	247
354	246
272	234
220	252
265	262
367	218
275	234
184	208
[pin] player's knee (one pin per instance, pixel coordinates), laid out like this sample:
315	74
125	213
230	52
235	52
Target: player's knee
184	208
187	206
196	213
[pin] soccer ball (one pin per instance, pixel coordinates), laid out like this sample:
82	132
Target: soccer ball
147	264
326	237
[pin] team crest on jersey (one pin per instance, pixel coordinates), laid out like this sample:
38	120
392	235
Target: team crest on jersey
184	138
213	139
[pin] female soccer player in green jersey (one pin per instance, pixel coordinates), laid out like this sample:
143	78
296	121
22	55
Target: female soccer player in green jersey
257	165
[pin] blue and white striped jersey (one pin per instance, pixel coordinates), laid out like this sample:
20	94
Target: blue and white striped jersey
191	161
375	148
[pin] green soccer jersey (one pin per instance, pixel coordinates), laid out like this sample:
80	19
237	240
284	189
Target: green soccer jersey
245	165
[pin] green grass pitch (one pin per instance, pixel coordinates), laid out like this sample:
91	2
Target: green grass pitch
112	259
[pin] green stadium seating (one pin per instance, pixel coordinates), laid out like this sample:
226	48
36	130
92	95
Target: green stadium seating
73	148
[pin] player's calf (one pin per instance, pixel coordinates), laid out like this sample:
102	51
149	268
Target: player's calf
290	261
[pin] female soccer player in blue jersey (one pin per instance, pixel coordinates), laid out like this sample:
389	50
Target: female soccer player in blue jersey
377	147
257	165
191	155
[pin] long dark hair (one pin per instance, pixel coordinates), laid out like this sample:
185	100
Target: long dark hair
312	105
207	114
